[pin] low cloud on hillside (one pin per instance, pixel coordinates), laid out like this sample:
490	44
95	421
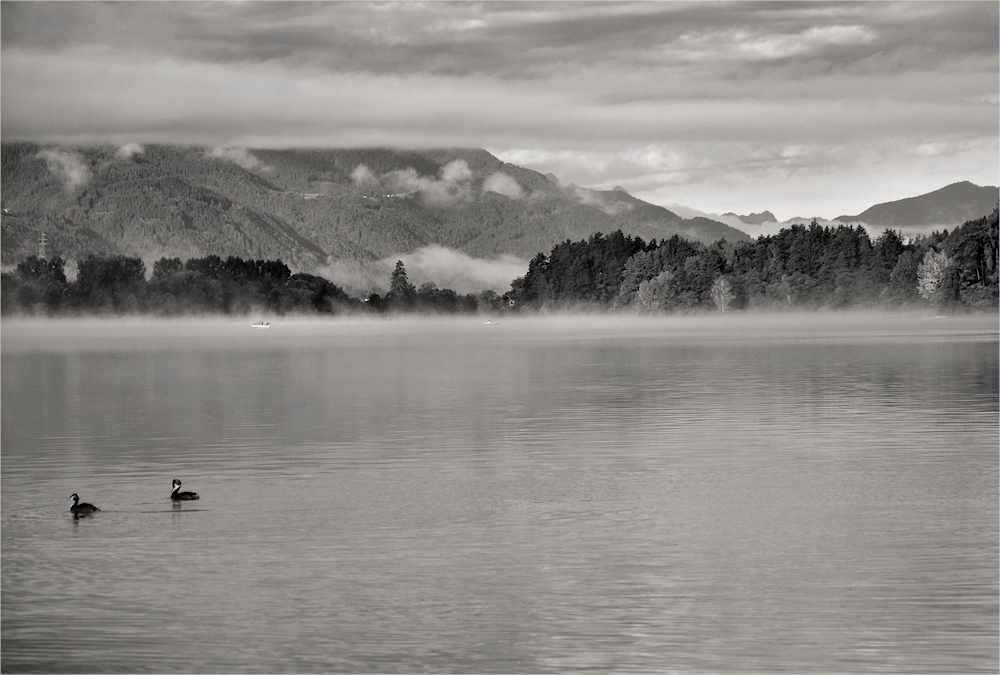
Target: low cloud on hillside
444	267
455	270
129	150
503	184
453	184
70	167
241	157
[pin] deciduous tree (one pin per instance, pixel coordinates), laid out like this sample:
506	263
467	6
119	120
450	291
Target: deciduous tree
722	293
931	272
655	294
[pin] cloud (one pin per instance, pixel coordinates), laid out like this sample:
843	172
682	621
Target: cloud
129	150
590	112
454	183
356	277
779	46
445	267
460	272
363	177
69	166
241	157
503	184
456	171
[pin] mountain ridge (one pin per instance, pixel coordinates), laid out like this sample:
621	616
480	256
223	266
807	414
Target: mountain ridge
308	207
755	218
949	206
943	209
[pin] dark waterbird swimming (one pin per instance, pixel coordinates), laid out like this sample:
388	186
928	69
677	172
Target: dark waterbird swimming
81	509
182	496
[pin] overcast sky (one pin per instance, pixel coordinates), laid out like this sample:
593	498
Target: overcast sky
805	109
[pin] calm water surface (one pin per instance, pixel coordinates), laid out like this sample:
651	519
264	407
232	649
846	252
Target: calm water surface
720	494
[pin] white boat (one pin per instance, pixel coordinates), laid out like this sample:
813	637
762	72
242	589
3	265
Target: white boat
260	324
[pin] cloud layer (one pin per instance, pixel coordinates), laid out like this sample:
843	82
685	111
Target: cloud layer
804	109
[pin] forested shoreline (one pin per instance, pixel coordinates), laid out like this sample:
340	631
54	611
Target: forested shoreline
803	267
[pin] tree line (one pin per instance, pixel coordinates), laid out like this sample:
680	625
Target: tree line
807	267
117	285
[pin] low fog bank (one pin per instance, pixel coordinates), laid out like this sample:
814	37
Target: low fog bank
901	328
444	267
750	325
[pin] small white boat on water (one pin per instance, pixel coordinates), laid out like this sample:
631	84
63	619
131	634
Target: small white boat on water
260	324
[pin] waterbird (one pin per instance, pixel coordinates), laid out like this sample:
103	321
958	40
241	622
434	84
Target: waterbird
181	496
81	509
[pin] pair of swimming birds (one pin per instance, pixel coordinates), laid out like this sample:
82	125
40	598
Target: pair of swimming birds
175	495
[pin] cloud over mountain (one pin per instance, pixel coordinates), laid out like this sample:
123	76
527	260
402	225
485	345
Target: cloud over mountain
129	150
452	185
503	184
67	165
239	156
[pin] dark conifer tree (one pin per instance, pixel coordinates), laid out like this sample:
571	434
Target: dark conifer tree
401	291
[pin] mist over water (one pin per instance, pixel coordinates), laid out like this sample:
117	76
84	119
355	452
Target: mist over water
779	493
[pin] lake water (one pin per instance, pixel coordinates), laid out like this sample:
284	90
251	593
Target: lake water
702	495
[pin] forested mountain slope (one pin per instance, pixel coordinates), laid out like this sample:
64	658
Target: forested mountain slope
305	207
